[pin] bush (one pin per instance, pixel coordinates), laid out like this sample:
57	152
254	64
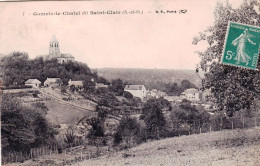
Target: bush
128	132
70	136
128	95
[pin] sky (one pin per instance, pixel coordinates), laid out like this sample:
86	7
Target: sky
147	40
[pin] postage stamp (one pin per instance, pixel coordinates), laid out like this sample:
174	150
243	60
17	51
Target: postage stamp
241	45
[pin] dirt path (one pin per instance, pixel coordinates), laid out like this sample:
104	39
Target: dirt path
59	100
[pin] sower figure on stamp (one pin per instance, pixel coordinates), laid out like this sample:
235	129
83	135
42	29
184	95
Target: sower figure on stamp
240	42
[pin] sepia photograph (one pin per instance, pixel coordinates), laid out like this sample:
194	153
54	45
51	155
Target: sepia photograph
130	83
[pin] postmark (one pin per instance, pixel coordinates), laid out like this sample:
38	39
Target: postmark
241	45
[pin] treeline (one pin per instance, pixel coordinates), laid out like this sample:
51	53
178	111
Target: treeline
182	119
17	68
173	89
150	77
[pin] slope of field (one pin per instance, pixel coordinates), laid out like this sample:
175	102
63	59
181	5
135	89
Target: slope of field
65	114
221	148
148	76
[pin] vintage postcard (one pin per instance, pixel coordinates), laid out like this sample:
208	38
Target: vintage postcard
140	83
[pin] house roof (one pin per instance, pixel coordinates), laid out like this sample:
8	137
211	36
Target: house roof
66	56
134	87
54	80
191	90
101	85
32	81
77	83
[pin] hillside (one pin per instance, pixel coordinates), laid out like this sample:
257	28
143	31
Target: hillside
59	111
231	147
148	76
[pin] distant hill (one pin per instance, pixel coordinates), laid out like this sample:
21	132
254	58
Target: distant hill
149	77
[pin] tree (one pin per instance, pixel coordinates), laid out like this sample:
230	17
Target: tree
233	88
117	86
23	128
128	132
186	84
128	95
97	132
70	136
102	80
89	85
186	114
153	117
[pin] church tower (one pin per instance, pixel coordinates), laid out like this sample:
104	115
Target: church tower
54	50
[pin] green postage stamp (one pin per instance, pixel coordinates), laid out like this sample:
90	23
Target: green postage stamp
241	45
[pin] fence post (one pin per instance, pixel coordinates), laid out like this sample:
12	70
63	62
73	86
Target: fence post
31	153
243	123
145	135
200	130
232	125
255	122
81	155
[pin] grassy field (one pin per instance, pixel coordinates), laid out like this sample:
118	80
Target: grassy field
222	148
65	114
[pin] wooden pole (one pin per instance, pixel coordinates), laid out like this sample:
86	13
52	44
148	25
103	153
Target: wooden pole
200	130
81	155
232	125
158	136
210	128
145	135
31	153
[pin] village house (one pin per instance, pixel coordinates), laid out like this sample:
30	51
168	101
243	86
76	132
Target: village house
136	90
52	82
100	85
77	84
34	83
173	98
191	94
157	93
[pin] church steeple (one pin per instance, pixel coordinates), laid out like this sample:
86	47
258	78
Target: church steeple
54	48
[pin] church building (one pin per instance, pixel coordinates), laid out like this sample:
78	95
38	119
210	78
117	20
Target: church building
54	52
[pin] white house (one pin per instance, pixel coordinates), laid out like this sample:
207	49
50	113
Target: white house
191	94
77	84
52	82
136	90
157	93
173	98
101	85
33	83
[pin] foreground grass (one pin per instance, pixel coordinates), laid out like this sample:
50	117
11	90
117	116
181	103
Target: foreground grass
231	147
